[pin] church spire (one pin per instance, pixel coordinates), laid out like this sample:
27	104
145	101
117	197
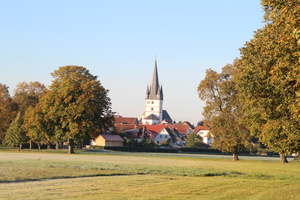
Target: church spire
155	90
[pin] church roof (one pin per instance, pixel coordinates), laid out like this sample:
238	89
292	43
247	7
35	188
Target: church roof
154	91
166	116
152	117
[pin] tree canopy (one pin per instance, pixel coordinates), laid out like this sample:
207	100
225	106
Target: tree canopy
16	134
28	94
269	78
7	110
76	105
194	141
223	109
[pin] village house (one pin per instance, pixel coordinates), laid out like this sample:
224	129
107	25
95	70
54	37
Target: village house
107	140
204	133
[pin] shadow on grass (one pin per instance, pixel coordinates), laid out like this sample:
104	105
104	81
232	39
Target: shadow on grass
65	177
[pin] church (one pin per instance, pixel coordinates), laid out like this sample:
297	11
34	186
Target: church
154	112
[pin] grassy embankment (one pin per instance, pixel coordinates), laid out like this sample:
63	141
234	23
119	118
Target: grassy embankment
145	176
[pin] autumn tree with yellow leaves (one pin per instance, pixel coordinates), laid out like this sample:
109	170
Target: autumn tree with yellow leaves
76	105
269	78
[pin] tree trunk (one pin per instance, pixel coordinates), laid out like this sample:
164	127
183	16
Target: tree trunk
39	145
20	147
57	145
235	156
283	158
48	146
30	144
71	146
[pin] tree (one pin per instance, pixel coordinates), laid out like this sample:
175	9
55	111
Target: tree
7	110
76	105
269	78
16	134
223	110
38	130
200	123
27	95
165	143
194	141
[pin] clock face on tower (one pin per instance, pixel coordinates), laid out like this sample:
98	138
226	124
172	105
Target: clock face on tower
148	102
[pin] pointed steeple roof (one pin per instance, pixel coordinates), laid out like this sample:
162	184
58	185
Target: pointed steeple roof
161	93
147	92
155	91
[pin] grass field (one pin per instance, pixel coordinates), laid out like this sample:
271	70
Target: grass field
114	175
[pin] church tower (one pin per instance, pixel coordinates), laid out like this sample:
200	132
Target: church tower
153	113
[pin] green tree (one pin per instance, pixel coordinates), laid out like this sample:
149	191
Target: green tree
165	143
7	110
16	134
76	105
200	123
223	110
269	78
38	130
27	95
194	141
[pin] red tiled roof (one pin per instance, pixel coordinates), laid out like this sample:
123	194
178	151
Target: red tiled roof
198	128
126	120
181	128
155	128
189	124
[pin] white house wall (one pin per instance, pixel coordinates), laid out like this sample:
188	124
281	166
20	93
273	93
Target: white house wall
203	134
163	135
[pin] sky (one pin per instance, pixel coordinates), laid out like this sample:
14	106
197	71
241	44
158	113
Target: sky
118	41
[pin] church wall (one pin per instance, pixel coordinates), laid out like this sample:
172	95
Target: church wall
153	107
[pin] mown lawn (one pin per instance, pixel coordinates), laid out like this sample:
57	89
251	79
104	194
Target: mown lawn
143	176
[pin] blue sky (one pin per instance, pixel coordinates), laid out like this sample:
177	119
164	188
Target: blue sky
117	40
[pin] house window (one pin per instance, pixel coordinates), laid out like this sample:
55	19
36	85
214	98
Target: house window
160	136
166	136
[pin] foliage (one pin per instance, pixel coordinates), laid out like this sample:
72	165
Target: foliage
194	141
144	144
76	105
200	123
166	143
37	128
269	78
16	134
28	94
255	148
223	109
7	110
